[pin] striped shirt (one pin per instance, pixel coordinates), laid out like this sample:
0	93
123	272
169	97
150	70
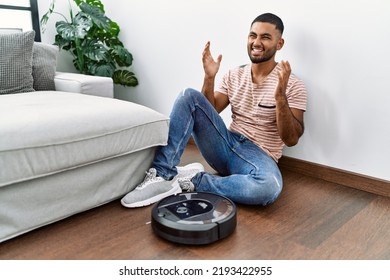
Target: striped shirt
254	107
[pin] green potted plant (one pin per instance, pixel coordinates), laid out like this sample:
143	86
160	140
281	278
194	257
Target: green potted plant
92	39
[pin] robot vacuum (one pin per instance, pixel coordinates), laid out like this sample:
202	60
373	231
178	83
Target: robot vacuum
194	218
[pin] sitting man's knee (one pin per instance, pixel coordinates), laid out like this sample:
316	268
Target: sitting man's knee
270	191
190	92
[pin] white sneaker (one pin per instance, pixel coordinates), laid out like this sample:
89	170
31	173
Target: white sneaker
189	170
186	173
151	190
154	188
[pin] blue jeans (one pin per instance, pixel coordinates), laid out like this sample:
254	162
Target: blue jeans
246	174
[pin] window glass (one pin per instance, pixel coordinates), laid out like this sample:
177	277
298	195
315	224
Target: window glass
10	19
23	3
20	15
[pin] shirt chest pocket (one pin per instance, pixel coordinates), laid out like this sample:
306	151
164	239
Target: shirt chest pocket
266	113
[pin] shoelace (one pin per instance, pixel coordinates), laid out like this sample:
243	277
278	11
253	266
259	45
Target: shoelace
185	184
151	176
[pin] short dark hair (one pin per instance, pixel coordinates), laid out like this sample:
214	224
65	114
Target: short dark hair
270	18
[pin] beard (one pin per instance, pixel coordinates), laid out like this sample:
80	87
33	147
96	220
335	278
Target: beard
259	59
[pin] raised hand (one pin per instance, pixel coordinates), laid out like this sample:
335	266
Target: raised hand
210	65
283	76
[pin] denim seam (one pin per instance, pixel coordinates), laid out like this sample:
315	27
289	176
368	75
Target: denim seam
180	143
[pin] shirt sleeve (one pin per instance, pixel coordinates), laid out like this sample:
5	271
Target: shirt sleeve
297	95
223	86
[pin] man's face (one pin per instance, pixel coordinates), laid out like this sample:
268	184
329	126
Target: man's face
263	42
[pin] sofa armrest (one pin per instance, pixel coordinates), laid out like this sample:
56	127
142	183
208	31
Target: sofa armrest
85	84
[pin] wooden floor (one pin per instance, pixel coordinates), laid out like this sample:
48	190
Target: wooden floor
313	219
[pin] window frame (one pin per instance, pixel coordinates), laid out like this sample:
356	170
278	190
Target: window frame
33	8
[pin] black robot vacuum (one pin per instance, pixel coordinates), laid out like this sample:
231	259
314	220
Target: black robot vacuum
194	218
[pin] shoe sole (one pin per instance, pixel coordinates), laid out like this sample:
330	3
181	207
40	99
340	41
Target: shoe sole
175	190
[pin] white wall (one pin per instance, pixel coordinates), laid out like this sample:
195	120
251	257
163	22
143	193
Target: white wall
339	48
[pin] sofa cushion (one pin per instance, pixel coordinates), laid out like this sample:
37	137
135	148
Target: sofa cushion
16	62
44	65
48	132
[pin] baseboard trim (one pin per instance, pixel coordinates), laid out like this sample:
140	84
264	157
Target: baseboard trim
339	176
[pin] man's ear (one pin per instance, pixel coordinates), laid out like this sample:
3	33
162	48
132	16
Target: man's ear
280	44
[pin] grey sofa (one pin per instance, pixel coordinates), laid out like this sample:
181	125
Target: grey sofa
70	149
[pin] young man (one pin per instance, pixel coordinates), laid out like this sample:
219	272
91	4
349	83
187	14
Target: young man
268	104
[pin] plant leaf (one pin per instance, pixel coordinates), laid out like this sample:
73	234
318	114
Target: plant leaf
62	43
103	70
78	29
96	15
96	3
93	49
122	56
125	78
45	17
78	2
114	28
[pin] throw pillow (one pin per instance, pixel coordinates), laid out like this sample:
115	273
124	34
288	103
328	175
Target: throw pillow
44	66
16	62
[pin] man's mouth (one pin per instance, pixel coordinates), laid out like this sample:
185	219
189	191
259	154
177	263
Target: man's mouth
257	50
